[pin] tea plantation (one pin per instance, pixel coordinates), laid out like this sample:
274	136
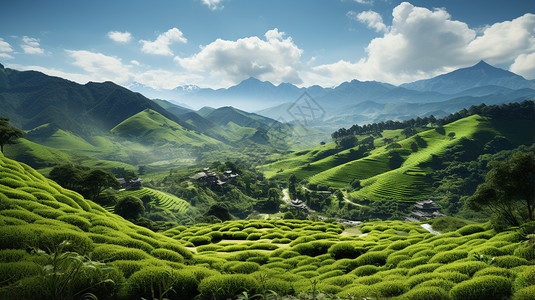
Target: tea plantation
107	257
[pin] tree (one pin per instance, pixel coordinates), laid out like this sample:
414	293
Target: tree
96	181
129	208
220	211
69	176
8	134
451	135
509	190
347	142
291	186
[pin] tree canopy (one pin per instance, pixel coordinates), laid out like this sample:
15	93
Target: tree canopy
509	189
8	133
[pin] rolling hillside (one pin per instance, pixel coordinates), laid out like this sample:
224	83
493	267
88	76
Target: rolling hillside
151	128
409	181
93	251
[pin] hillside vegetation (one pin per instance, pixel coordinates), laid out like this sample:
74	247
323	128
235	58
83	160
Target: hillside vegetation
403	170
290	258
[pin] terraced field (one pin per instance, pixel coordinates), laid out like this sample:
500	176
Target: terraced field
161	199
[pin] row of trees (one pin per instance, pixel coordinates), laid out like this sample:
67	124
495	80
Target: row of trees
523	110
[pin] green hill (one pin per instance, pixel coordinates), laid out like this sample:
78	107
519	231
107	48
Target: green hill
151	128
114	259
381	178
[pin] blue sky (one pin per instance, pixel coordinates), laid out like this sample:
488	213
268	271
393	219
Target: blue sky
218	43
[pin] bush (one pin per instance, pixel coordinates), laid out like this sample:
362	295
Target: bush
243	267
495	271
345	250
200	240
387	289
11	255
464	267
160	282
510	261
411	263
376	258
525	278
438	282
14	271
427	268
448	256
314	248
527	293
228	286
167	255
470	229
77	221
426	293
484	287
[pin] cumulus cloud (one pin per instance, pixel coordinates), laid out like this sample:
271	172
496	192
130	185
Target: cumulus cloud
422	43
371	18
101	67
505	41
274	58
120	37
5	48
31	46
524	65
161	45
213	4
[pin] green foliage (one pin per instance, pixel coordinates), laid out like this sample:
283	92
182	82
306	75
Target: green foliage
129	207
527	293
345	250
228	286
167	255
161	282
484	287
426	293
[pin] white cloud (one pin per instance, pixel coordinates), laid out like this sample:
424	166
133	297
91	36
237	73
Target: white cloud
135	62
161	45
31	46
524	65
5	47
274	58
101	67
120	37
213	4
371	18
505	41
422	43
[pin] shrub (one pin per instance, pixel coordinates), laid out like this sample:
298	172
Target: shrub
116	252
159	282
464	267
510	261
387	289
438	282
14	271
394	259
228	286
12	255
365	270
484	287
243	267
128	267
77	221
356	292
200	240
341	280
345	250
426	293
254	236
525	278
167	255
427	268
448	256
495	271
526	251
279	286
527	293
377	258
470	229
314	248
411	263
